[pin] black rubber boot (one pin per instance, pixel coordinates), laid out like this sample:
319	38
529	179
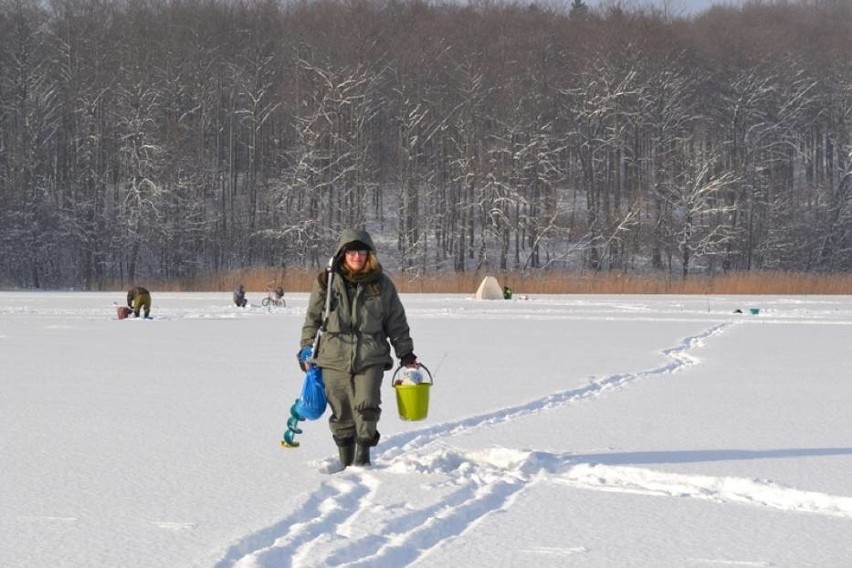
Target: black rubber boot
362	455
347	453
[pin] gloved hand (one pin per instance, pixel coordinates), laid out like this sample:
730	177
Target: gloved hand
409	360
304	355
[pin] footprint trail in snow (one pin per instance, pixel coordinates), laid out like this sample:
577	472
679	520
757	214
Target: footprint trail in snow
465	486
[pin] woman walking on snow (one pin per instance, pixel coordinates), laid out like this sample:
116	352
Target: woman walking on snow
365	319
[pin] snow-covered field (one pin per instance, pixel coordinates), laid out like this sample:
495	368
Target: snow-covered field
589	431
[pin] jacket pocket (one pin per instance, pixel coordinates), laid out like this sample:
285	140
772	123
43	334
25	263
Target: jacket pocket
373	315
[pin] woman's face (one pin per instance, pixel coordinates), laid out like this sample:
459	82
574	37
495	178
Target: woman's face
355	260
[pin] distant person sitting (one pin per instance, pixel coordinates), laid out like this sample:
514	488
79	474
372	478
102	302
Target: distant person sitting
240	296
507	293
139	300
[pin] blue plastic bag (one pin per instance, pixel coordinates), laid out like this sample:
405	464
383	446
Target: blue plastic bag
312	402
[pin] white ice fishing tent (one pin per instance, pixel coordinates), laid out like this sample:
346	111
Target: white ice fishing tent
489	289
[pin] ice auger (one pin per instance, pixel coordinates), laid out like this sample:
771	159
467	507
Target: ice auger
288	440
312	402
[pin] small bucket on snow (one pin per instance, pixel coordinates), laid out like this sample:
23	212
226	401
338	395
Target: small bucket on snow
754	311
412	392
124	312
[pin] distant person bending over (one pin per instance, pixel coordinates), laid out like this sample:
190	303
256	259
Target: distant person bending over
139	299
240	296
365	319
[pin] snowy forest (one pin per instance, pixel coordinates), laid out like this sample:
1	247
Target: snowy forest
163	139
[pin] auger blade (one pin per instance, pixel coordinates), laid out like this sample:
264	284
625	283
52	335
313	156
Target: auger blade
288	441
293	426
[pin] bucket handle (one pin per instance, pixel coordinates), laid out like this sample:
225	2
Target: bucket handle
419	366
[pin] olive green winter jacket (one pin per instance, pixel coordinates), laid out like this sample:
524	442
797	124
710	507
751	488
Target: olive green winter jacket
366	316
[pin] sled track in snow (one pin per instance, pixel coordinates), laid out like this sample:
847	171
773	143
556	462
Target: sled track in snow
474	484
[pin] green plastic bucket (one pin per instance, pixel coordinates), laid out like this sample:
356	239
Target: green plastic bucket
754	311
412	400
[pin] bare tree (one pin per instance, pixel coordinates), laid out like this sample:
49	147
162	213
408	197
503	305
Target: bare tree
598	114
28	109
699	212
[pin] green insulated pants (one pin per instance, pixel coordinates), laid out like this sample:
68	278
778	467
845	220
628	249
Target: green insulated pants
355	402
